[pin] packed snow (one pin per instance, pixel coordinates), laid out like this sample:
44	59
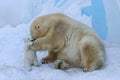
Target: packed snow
12	66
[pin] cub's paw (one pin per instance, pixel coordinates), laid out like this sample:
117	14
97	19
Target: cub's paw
27	66
36	63
28	41
61	64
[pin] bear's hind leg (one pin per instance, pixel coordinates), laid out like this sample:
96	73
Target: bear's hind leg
90	54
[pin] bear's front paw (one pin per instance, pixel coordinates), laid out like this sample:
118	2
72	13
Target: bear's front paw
47	60
61	64
87	69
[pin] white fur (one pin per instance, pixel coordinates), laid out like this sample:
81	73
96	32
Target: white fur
30	57
68	40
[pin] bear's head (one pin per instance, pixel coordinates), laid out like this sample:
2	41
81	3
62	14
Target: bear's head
41	25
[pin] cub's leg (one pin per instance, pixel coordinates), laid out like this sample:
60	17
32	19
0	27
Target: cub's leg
35	63
61	64
27	64
30	59
92	53
50	58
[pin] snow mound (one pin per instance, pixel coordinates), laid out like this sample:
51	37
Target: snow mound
12	68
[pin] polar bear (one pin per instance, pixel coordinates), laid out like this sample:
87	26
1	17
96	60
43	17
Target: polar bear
69	42
30	57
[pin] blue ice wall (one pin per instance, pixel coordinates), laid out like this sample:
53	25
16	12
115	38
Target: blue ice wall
98	17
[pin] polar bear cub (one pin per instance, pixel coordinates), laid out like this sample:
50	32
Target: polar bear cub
30	57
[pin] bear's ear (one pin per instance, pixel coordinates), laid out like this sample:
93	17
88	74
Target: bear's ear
61	28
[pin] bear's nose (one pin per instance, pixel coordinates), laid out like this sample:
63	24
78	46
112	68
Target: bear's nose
33	39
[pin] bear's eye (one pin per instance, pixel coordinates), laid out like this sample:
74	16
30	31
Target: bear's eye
37	26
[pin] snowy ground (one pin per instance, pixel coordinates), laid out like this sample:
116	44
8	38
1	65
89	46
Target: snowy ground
12	68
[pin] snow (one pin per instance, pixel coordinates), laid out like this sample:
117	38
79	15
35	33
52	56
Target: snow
10	12
12	67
